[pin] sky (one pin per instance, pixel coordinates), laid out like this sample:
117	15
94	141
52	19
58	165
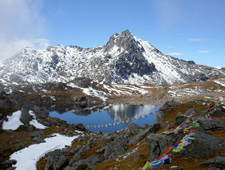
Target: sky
186	29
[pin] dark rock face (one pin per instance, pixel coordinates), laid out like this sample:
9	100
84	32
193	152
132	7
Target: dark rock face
143	133
203	145
211	124
179	120
25	117
158	143
56	160
41	112
116	147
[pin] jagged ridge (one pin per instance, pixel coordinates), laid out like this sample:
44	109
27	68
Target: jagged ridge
124	59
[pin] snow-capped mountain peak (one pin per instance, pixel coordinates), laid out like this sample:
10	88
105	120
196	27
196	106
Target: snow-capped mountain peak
124	59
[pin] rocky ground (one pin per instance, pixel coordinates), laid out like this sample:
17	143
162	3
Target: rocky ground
131	148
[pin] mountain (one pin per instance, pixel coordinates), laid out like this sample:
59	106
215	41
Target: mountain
124	59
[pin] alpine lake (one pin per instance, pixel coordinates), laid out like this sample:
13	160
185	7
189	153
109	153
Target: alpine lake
111	118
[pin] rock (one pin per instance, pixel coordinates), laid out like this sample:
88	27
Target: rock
37	134
19	146
81	127
94	159
82	165
85	164
91	141
159	116
158	143
218	161
118	146
211	124
84	149
217	112
10	162
106	137
56	160
171	104
41	112
190	111
4	104
131	128
25	117
38	140
179	120
101	150
74	150
214	168
31	128
160	112
144	133
202	145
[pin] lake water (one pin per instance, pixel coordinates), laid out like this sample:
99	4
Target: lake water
114	118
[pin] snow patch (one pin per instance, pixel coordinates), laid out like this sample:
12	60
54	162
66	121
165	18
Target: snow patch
218	82
13	121
28	157
34	122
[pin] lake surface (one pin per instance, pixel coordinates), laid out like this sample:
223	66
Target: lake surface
114	118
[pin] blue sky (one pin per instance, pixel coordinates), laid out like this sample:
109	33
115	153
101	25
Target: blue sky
186	29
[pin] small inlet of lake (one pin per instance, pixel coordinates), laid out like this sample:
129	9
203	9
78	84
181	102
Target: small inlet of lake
113	118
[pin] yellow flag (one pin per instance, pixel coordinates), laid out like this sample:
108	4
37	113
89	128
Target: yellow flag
147	165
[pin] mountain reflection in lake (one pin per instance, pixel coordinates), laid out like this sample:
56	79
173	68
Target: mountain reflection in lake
114	114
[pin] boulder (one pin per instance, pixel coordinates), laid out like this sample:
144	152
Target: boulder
131	128
40	112
219	161
84	149
118	146
202	145
160	112
38	140
74	150
25	117
179	120
158	143
85	164
106	137
190	111
159	116
144	133
56	160
211	124
217	112
81	127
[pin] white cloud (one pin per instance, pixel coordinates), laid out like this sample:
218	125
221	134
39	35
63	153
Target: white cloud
21	25
204	51
10	48
198	39
175	54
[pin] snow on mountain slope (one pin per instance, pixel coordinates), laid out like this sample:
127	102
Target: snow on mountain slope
124	59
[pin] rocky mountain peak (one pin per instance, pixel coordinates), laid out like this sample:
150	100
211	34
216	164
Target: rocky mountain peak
124	40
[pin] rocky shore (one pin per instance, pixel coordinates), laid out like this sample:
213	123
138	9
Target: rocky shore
130	149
